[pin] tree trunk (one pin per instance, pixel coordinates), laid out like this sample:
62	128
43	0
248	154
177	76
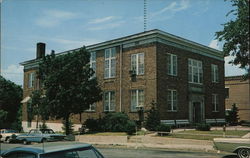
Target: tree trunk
67	124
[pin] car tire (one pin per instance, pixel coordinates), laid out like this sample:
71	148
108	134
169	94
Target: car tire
25	142
43	140
243	153
7	140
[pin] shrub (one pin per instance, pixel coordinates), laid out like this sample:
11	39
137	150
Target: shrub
115	122
153	119
203	127
92	124
130	127
163	128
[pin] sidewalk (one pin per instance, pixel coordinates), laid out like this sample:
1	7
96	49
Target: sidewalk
152	141
148	141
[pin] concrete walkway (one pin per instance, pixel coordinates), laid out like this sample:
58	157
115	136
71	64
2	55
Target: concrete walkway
148	141
247	136
151	141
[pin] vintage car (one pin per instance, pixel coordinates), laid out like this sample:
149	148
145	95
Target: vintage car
52	150
39	135
240	146
8	135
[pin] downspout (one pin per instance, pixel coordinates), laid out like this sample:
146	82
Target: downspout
120	77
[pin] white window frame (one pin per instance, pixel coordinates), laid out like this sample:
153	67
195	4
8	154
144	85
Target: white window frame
171	65
136	65
109	71
214	73
139	102
172	101
92	62
215	102
192	67
92	108
109	93
31	80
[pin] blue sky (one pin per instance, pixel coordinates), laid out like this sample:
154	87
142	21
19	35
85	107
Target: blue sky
64	25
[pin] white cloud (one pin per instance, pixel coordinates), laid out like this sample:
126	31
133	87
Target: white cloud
72	44
51	18
14	73
102	20
232	70
173	8
106	26
214	44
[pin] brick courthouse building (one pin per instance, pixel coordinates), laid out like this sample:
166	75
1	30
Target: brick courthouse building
184	78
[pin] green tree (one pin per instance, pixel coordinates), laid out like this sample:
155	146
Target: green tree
236	34
3	115
38	107
153	118
10	98
232	116
68	84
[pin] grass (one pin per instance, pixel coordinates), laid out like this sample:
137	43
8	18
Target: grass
206	135
107	134
114	133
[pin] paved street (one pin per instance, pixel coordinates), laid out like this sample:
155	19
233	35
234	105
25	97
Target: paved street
154	153
122	152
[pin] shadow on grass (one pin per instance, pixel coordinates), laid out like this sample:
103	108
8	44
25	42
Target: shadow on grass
230	156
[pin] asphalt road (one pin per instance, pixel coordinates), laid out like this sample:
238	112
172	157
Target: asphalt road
123	152
155	153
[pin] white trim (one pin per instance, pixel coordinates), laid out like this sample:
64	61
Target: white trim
172	64
172	100
109	101
199	68
109	59
215	102
137	58
215	73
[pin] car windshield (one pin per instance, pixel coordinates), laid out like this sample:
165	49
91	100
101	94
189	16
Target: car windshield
10	131
82	153
47	131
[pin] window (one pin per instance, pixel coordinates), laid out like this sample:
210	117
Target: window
215	102
137	99
110	63
137	63
93	62
172	64
227	92
31	80
214	73
91	107
109	101
172	100
195	72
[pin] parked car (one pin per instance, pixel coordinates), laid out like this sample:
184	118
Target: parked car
240	146
40	135
72	150
8	135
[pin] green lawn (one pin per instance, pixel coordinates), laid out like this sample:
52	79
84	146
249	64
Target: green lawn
115	133
207	135
107	134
